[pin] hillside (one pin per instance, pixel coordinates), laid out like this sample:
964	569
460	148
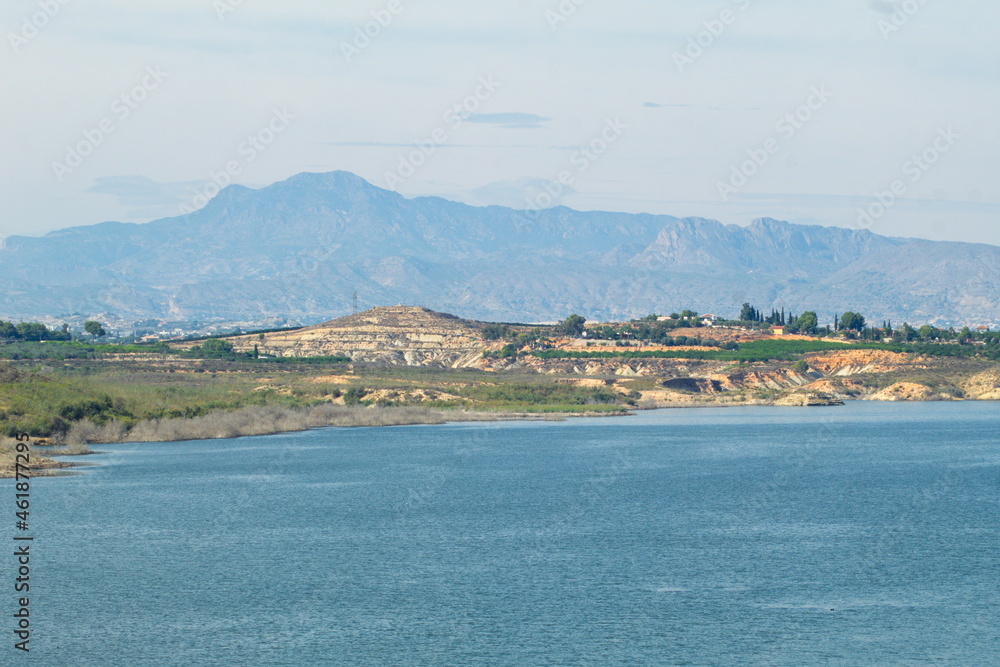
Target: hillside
398	335
405	336
300	249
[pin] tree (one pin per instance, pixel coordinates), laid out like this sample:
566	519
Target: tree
496	332
749	314
217	345
213	348
852	321
802	367
8	331
32	331
807	322
572	325
94	329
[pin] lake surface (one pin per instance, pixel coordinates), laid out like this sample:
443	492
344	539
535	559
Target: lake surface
866	534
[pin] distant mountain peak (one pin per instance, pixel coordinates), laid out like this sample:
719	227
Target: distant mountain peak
328	179
769	223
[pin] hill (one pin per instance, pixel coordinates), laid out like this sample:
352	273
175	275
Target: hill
300	248
397	335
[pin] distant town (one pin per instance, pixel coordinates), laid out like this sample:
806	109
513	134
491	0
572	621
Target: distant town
108	328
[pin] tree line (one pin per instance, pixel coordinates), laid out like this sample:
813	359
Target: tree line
853	325
37	332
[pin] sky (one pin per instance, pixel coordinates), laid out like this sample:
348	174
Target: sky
870	114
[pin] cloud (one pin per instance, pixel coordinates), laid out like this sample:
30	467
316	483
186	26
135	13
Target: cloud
510	121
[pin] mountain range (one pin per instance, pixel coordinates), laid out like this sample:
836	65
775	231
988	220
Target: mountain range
301	248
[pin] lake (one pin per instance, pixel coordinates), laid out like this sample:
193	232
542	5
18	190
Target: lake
863	534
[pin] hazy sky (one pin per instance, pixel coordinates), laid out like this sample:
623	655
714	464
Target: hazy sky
729	109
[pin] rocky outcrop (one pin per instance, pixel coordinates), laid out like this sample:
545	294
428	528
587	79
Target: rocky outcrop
693	385
983	386
808	399
839	388
908	391
776	379
857	362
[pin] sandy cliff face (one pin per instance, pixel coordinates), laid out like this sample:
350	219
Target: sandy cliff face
908	391
983	386
857	362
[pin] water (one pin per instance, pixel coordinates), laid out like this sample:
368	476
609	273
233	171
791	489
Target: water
866	534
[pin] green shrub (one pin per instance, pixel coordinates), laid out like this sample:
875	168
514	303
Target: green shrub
354	395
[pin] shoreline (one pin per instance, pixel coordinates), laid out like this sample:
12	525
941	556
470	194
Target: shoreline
53	464
51	467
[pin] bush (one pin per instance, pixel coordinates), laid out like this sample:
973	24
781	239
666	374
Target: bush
214	348
496	332
354	395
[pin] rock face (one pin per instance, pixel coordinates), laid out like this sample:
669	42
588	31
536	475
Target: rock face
983	386
780	378
808	400
908	391
857	362
398	335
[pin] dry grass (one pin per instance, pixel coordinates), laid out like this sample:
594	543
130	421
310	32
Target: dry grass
86	432
265	420
275	419
256	420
